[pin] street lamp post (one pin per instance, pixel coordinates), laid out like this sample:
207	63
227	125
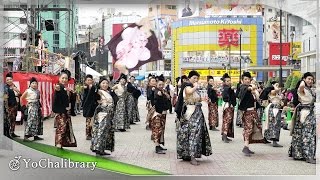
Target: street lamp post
89	28
280	70
240	33
292	36
229	65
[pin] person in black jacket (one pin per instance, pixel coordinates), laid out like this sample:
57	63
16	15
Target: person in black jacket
132	110
158	121
230	101
213	116
61	106
89	104
150	100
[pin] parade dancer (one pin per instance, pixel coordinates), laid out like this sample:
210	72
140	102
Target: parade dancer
61	106
158	121
213	116
239	112
303	143
192	137
89	104
34	124
103	129
169	88
272	113
11	92
120	120
131	102
150	100
230	101
252	132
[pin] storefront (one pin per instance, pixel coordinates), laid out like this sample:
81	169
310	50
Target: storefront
212	45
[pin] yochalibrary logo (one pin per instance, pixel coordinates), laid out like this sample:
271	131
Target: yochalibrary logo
14	164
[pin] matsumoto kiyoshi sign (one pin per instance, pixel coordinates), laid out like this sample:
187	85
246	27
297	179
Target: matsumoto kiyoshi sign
215	21
211	59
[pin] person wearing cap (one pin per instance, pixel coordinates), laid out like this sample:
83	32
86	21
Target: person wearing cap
34	124
158	121
192	135
230	101
248	96
64	136
11	94
213	116
120	120
89	104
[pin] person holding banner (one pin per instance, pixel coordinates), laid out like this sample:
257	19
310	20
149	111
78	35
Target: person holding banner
34	124
11	92
61	106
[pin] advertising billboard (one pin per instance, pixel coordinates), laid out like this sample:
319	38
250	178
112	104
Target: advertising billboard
274	53
188	8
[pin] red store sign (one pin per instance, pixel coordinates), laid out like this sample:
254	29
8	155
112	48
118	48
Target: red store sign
226	34
274	53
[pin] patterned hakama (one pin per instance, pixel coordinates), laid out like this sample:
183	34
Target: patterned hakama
103	130
64	131
273	122
227	124
158	127
89	127
151	111
12	114
213	116
252	130
239	117
303	144
132	109
193	137
34	124
120	120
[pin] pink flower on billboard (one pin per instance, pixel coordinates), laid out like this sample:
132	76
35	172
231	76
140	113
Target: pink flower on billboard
133	47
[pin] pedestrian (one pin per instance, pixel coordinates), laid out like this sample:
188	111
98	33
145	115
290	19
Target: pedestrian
131	102
121	117
64	136
192	137
303	143
11	93
89	104
103	129
213	116
158	121
230	101
273	114
248	95
34	124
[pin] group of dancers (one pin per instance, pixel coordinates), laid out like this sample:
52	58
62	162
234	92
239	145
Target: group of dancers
110	107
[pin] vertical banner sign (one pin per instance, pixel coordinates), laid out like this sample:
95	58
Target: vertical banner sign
274	53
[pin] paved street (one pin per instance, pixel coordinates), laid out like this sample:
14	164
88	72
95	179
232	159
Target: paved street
135	147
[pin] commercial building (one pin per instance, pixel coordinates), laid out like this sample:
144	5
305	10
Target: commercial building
212	45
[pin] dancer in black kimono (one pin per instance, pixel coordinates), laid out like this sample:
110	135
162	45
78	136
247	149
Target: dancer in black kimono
89	104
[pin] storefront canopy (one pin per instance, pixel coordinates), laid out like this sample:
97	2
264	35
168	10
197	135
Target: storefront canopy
87	70
140	78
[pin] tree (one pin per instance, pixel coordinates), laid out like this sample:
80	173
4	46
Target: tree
294	82
288	82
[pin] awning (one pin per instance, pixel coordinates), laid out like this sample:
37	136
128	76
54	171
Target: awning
140	78
90	71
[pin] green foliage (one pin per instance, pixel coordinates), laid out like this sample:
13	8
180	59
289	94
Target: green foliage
294	82
288	82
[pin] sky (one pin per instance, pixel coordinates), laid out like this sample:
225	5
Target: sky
92	13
